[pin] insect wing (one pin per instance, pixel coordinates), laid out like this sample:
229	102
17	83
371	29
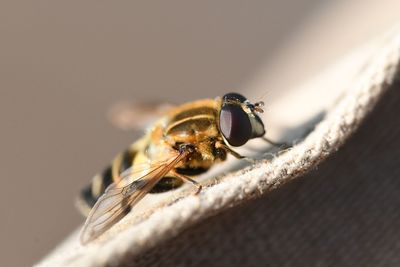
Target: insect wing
136	116
119	198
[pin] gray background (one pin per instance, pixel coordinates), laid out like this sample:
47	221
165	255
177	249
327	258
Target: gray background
63	64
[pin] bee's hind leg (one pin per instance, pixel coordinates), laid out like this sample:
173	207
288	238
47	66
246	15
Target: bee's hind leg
188	179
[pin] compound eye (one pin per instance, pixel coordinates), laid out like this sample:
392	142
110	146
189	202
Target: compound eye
235	125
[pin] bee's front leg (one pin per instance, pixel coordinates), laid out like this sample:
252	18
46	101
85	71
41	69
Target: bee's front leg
282	145
237	155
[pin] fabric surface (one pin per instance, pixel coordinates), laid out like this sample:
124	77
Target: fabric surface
344	213
339	214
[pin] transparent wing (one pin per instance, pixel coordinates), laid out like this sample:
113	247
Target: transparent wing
119	198
136	116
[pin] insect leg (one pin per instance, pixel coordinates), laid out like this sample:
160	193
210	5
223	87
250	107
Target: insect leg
188	179
233	152
275	144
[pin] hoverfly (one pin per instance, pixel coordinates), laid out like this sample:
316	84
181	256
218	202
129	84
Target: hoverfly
187	141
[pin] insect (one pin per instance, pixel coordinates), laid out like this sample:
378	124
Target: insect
185	142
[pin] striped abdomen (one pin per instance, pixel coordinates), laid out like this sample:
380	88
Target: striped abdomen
100	182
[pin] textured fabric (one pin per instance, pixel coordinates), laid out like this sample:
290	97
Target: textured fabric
346	212
300	223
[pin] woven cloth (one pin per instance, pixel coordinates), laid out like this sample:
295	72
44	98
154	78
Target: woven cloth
342	213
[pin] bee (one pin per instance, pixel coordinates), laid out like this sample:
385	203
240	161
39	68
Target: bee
188	140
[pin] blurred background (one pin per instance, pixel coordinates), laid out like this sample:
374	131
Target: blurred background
64	64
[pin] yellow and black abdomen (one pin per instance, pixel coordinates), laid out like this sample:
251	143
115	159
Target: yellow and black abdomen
101	181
